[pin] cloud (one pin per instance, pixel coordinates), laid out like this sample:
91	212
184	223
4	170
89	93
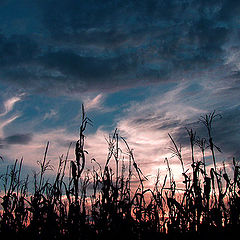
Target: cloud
94	103
4	123
19	139
9	104
51	114
94	47
146	124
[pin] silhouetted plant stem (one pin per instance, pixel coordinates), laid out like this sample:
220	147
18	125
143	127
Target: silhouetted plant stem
107	203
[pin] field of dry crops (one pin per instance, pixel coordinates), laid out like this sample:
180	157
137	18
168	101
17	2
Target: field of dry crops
108	204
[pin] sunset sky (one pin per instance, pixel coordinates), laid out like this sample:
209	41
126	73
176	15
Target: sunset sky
146	67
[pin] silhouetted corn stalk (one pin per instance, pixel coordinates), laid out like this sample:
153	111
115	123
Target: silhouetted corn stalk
105	204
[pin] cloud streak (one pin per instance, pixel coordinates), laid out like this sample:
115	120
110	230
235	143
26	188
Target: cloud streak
5	120
9	104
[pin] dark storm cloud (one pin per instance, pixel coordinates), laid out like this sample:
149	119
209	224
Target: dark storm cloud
89	45
22	139
16	50
19	139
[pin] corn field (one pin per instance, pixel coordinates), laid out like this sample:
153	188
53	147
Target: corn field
115	204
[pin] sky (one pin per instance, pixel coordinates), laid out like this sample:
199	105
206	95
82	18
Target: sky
147	68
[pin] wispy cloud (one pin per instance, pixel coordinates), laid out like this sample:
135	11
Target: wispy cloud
5	119
8	107
4	123
9	104
94	103
146	124
51	114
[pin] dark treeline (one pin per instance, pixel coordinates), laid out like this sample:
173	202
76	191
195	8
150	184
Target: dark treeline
114	204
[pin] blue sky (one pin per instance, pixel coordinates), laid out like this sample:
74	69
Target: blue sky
148	68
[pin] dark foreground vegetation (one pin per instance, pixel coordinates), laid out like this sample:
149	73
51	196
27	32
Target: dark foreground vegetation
111	202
